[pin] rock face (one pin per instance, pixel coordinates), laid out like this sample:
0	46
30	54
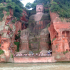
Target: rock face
18	26
44	39
59	34
8	30
24	39
39	34
5	45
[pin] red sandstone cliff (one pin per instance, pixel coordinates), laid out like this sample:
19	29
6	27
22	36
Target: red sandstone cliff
8	30
59	34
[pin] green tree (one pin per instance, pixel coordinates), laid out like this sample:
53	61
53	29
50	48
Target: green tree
16	5
28	5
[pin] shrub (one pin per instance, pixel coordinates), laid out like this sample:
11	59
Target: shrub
65	52
13	21
1	16
1	51
16	5
8	13
62	7
17	43
12	56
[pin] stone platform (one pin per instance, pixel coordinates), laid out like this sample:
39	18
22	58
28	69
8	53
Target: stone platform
33	59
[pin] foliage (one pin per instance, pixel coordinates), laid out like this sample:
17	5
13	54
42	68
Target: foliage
48	25
17	43
16	5
54	7
8	13
12	56
8	1
46	10
13	21
62	7
0	45
28	5
33	5
1	16
1	11
53	39
17	37
1	51
65	52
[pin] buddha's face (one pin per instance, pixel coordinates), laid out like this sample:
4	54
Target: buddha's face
39	8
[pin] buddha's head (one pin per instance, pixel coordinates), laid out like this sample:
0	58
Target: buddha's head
39	8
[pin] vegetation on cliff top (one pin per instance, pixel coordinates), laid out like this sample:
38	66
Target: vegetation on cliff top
62	7
16	5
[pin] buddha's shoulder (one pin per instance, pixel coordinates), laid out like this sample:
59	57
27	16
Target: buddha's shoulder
45	14
32	16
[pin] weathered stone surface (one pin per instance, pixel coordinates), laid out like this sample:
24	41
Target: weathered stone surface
33	59
2	58
5	44
23	52
34	43
18	26
59	34
44	39
8	30
24	40
44	52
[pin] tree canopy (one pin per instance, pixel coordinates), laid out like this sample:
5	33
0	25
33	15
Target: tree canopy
33	5
62	7
16	5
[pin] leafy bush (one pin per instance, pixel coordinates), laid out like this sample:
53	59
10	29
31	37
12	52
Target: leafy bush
16	5
17	43
12	56
46	10
62	7
1	51
65	52
1	16
6	9
1	5
54	7
13	21
8	13
8	0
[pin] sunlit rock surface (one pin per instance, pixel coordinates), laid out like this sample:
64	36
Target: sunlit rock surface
60	37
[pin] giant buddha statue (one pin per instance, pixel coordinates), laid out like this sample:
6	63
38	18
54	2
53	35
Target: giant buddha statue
37	25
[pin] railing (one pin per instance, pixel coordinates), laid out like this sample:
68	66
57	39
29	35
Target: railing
34	54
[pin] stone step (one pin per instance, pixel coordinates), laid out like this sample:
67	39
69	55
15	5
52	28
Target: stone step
33	59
